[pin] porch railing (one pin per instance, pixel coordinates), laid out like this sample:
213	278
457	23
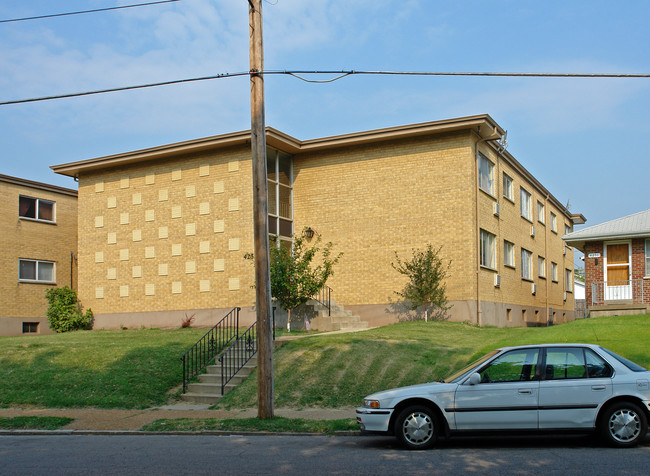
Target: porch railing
204	351
324	297
237	355
605	292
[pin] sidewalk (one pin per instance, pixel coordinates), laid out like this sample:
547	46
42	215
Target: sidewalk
133	420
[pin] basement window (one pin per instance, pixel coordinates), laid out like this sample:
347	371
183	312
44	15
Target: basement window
30	327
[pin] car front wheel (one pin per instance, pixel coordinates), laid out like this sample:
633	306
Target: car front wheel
623	424
416	428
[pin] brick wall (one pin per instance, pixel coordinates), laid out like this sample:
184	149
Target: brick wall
33	240
167	236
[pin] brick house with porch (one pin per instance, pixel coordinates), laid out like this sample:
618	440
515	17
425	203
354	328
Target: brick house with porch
617	264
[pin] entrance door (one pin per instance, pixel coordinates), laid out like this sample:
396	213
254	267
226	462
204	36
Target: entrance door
618	286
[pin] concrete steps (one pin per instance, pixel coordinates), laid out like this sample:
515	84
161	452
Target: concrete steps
207	389
338	319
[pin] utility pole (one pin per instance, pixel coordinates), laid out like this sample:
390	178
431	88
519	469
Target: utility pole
260	217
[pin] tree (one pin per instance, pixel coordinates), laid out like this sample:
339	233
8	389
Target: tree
579	274
426	272
294	277
64	312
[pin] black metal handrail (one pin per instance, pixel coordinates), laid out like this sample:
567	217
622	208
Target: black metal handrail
324	297
235	357
199	356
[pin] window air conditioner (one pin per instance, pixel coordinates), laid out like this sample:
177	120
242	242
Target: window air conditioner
533	288
497	280
532	231
496	209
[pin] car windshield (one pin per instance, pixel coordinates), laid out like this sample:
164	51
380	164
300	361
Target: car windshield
628	363
457	375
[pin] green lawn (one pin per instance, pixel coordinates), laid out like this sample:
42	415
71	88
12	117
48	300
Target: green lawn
107	369
139	368
340	369
33	423
275	425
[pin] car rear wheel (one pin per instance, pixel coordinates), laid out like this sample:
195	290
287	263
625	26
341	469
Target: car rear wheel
416	428
623	424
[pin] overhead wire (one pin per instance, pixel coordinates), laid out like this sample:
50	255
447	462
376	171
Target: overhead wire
340	74
80	12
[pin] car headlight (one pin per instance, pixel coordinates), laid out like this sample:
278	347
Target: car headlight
370	403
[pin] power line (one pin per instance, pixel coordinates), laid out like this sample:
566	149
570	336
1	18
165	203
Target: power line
87	11
340	74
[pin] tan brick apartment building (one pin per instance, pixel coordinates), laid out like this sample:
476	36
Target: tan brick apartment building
38	225
163	231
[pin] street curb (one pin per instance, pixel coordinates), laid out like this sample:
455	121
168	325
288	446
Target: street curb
154	433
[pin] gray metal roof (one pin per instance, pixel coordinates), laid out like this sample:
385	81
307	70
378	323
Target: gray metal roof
631	226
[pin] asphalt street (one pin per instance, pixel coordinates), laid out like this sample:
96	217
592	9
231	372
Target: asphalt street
313	455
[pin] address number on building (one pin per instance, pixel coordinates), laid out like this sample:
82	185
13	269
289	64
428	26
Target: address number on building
593	255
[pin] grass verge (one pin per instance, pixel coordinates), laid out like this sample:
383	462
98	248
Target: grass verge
275	425
34	423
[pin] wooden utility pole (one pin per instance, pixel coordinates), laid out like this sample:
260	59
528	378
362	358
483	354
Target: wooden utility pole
260	217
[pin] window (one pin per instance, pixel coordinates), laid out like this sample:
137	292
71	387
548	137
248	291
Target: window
488	250
526	264
567	229
596	366
36	209
565	363
541	267
541	212
554	271
568	280
513	366
508	254
647	257
485	174
279	175
553	222
507	187
30	327
36	271
526	204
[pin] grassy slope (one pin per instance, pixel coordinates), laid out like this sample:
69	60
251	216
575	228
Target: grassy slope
136	369
108	369
339	370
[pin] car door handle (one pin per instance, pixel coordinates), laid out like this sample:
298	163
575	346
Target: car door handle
524	391
598	387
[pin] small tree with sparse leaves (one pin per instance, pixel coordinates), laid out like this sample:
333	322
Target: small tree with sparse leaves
295	279
426	273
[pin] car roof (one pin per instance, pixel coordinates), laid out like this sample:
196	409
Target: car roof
532	346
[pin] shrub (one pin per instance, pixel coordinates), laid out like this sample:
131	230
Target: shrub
64	312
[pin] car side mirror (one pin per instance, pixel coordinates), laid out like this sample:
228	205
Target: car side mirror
474	379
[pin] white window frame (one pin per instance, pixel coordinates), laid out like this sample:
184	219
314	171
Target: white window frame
485	174
489	254
541	267
36	271
526	205
508	254
553	222
647	257
554	272
37	206
567	229
508	187
526	264
541	212
568	280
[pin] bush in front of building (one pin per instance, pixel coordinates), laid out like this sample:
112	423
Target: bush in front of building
64	312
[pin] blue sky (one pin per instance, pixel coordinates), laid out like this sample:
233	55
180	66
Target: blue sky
584	139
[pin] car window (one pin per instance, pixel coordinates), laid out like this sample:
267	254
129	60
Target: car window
515	366
596	366
628	363
565	363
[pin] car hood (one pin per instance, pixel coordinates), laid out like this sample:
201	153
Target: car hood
420	390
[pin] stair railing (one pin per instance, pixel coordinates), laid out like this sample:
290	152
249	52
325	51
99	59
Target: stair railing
235	357
204	351
324	297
